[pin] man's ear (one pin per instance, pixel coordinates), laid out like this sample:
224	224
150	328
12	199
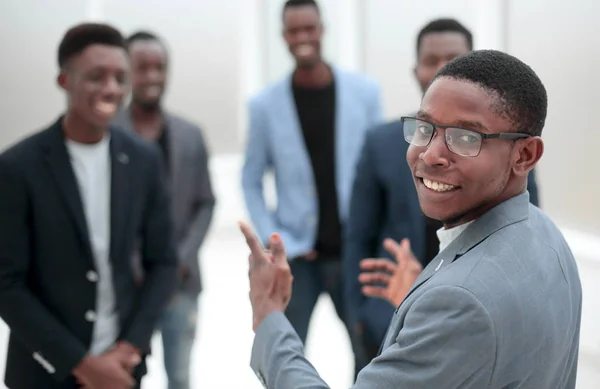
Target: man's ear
527	153
63	80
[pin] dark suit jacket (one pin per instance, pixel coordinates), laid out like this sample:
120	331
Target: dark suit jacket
192	198
45	254
384	205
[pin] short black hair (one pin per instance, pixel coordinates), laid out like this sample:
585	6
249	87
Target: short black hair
79	37
298	3
142	36
444	25
521	95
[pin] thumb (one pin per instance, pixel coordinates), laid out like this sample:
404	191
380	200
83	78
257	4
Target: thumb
134	360
277	249
392	247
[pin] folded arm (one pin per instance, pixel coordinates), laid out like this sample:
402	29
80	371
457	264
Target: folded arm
447	340
28	319
159	261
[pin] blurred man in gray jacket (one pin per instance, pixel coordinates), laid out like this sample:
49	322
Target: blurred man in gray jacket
186	159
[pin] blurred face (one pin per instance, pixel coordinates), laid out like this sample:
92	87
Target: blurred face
148	72
436	50
302	31
456	189
96	81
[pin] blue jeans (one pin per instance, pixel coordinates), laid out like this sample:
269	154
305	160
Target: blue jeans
311	278
178	330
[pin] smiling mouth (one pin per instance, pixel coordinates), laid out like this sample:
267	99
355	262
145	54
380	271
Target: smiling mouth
439	187
153	91
106	108
304	50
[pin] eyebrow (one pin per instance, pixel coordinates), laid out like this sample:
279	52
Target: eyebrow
472	124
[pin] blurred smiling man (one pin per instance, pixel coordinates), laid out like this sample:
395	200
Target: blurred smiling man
308	128
185	159
78	198
500	305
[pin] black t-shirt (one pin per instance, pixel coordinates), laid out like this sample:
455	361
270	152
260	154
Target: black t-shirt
163	144
316	112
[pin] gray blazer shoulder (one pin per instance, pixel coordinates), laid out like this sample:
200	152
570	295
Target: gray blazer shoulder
500	306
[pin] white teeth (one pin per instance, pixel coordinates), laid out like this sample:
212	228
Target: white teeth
153	91
437	186
106	108
304	50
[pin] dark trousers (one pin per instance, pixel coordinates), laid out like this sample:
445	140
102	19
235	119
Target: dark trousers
311	278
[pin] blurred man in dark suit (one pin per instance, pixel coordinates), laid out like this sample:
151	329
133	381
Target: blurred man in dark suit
77	200
384	200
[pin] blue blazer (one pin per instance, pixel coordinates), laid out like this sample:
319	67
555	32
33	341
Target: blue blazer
275	142
384	204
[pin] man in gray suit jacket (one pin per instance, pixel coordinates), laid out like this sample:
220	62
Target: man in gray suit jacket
500	305
186	159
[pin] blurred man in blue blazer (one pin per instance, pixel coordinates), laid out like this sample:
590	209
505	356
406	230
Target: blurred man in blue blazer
308	129
384	200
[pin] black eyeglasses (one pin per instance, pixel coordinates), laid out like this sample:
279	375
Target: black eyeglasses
461	141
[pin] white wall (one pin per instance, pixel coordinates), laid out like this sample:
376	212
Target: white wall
203	38
29	96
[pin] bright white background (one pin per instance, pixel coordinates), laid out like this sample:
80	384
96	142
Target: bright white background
224	51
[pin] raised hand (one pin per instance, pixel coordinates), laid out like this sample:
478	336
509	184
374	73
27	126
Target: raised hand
270	276
397	278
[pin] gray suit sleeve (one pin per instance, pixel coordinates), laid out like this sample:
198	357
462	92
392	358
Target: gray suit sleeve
204	203
447	341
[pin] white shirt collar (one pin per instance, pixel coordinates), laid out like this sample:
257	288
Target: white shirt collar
447	236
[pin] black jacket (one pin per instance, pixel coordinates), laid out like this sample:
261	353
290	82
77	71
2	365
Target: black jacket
46	291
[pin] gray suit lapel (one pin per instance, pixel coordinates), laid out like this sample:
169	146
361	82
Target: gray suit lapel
58	159
289	123
174	144
509	212
120	191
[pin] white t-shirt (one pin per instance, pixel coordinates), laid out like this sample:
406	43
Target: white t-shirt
92	166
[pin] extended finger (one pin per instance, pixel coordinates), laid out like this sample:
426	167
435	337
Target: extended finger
251	239
392	247
277	249
378	264
374	291
376	277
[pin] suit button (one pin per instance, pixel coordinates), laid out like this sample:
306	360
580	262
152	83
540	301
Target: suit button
92	276
90	316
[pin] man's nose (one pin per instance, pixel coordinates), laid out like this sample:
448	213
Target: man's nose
436	154
114	87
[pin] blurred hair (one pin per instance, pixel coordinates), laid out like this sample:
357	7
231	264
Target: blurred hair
444	25
79	37
299	3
